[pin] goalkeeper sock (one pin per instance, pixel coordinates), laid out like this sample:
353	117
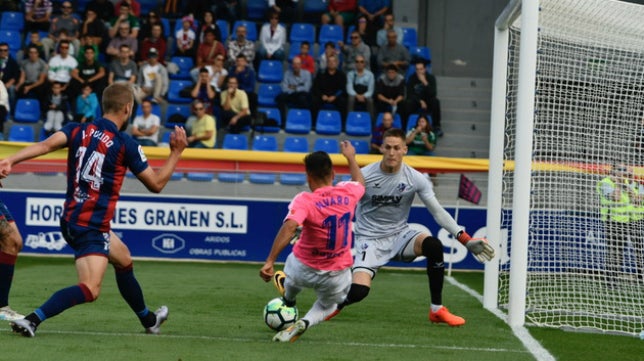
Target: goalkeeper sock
357	293
7	265
433	250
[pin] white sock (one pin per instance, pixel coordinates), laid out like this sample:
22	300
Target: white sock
435	308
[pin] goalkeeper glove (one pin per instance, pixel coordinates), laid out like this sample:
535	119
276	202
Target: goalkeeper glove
479	247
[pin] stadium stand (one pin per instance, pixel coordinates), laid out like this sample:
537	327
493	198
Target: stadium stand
265	143
302	32
362	146
267	93
233	142
185	64
174	89
12	20
294	145
410	37
298	121
251	30
270	71
397	120
27	111
271	113
332	33
256	9
420	52
21	133
328	122
358	124
329	145
181	109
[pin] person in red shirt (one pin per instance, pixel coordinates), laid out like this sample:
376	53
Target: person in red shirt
207	52
308	63
341	12
155	40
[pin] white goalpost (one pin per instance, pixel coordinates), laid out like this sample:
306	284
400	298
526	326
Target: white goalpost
567	107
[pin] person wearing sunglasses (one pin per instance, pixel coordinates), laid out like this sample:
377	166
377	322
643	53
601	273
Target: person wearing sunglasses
66	21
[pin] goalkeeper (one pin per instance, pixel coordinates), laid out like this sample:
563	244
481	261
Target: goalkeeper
382	233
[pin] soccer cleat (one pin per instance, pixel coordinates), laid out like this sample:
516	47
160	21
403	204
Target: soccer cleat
333	314
7	314
278	281
24	327
292	333
162	314
444	316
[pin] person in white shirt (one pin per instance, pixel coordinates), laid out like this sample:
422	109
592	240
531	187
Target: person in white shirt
153	79
272	39
61	66
145	128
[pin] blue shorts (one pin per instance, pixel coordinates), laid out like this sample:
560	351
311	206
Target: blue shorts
85	241
4	213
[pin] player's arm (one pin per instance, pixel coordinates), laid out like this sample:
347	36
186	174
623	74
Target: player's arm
282	239
155	181
54	142
349	152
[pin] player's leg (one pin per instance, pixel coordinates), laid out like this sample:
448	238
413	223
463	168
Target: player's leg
130	288
432	249
10	246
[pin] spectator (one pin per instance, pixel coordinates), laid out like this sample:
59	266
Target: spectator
57	109
122	38
66	21
381	38
86	42
185	38
379	131
341	12
209	22
286	9
37	15
103	8
246	79
218	74
390	91
61	66
228	10
153	79
89	72
34	39
241	46
4	107
147	23
203	132
421	96
207	52
421	140
235	107
296	87
63	36
360	86
204	91
353	50
124	17
374	11
133	6
308	63
329	88
393	53
94	28
362	28
122	69
145	127
9	72
33	75
272	39
86	105
156	41
329	50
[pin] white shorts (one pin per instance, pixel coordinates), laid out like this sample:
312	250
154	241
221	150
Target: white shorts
331	287
373	253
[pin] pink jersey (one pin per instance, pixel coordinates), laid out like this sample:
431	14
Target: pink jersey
325	216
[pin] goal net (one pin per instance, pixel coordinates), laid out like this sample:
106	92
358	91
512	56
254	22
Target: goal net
582	273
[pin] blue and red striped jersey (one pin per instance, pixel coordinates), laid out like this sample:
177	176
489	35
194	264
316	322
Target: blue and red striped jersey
99	155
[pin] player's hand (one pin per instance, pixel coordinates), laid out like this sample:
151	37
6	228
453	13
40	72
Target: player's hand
5	168
347	149
267	272
178	139
479	247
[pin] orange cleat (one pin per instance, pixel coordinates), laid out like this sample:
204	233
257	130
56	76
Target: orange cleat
444	316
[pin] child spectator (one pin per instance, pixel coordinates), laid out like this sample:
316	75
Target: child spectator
307	60
57	109
185	38
86	105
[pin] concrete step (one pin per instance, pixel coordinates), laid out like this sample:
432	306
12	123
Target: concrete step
465	102
473	114
463	82
466	127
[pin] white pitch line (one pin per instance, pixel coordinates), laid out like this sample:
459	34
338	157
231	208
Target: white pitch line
239	339
533	346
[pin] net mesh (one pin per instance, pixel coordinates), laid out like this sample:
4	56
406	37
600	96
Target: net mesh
589	105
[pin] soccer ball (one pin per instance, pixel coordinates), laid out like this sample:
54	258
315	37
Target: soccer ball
279	316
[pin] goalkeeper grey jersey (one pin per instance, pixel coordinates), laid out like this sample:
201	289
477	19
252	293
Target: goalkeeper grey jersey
384	208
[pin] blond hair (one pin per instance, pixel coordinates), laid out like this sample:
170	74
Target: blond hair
116	96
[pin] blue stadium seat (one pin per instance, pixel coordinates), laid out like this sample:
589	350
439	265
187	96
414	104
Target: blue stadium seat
256	9
13	39
358	124
175	86
302	32
271	113
270	71
224	29
332	33
362	146
172	109
185	64
251	30
420	53
266	94
166	28
350	29
264	143
12	20
328	122
27	111
298	121
21	133
294	50
200	176
410	37
148	5
329	145
233	142
294	145
397	121
312	9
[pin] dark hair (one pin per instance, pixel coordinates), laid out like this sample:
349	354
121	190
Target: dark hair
429	124
391	67
329	44
203	70
32	47
318	165
305	43
209	30
240	55
394	132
